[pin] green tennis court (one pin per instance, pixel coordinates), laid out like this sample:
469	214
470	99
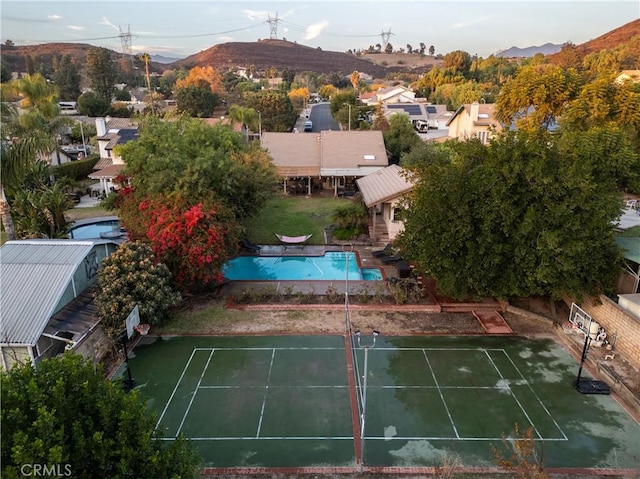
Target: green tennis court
298	401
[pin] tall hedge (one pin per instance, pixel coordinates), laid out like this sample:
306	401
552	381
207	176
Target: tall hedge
76	170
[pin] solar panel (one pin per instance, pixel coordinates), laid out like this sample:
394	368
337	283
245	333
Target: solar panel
431	109
394	107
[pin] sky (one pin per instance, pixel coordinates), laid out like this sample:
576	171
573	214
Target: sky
178	29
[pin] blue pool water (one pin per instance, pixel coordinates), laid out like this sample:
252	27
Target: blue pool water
93	230
332	266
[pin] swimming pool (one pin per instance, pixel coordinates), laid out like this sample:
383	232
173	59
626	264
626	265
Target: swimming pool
332	266
99	229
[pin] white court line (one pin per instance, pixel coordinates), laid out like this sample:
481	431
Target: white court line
206	366
266	438
512	394
444	403
350	438
538	398
271	349
175	388
293	386
266	390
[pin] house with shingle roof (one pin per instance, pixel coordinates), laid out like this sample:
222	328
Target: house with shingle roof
328	160
475	120
111	133
40	280
383	192
392	94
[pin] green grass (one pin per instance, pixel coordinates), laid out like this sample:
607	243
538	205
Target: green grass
76	214
630	233
200	319
293	217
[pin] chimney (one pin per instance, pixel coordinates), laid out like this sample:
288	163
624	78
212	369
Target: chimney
101	127
475	109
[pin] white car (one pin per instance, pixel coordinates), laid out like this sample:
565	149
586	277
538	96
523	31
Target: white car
308	125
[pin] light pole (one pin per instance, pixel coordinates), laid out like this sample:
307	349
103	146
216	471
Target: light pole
349	105
366	348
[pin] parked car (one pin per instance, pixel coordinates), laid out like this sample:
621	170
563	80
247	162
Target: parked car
308	125
74	197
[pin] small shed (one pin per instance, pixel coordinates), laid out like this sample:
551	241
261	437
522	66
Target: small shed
41	280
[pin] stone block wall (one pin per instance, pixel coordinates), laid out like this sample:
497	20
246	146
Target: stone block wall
620	326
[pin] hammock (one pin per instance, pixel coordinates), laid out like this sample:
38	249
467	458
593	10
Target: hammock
292	240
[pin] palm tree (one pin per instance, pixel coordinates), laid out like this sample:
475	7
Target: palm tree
25	136
247	116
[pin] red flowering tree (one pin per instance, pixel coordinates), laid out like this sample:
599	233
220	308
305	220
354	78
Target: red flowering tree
193	240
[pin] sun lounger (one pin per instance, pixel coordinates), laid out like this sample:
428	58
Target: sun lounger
394	258
293	240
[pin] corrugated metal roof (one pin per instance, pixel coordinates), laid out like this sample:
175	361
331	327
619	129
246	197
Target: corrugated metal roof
383	185
33	277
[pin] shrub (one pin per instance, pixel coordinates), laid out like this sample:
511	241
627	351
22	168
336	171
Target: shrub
128	277
76	170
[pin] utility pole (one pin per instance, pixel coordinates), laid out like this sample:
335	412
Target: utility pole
273	26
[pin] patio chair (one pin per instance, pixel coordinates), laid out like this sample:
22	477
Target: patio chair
386	251
248	245
632	204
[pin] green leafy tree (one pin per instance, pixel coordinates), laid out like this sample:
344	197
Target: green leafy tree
66	77
187	158
25	136
90	104
458	60
196	101
278	113
529	220
536	97
66	412
5	72
400	138
131	276
339	107
102	72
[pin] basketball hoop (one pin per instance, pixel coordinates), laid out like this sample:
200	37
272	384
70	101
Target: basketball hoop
143	329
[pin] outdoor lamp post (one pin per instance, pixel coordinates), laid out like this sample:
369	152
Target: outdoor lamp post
349	105
366	348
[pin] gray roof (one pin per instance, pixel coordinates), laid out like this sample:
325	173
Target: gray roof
33	278
383	185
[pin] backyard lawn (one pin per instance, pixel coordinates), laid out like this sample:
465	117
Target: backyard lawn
293	216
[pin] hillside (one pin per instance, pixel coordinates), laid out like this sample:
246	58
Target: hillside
280	54
609	40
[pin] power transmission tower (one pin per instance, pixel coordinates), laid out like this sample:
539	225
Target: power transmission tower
273	26
385	38
125	40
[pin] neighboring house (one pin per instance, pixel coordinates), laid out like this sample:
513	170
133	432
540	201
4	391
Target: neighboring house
475	120
41	280
111	132
326	160
629	278
57	157
425	117
628	75
392	94
383	193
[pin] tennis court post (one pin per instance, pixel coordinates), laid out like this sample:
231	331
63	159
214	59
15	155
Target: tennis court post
363	409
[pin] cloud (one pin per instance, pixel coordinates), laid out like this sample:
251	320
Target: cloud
469	23
105	21
312	31
256	14
54	17
75	27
